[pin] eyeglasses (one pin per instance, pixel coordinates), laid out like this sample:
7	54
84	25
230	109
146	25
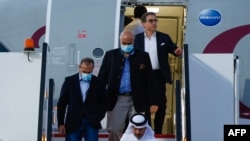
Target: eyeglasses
152	20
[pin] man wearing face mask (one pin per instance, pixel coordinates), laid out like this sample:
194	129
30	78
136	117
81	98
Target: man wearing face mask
127	75
83	100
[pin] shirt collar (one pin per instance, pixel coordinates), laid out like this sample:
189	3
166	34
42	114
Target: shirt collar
153	35
80	78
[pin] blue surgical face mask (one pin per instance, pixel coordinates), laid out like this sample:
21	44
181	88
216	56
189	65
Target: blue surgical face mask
86	76
127	48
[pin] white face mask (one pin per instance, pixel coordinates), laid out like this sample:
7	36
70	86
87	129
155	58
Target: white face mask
127	48
86	76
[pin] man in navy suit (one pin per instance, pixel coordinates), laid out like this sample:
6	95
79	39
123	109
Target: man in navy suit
82	104
127	72
158	45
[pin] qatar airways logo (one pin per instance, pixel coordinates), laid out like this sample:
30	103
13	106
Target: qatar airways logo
209	17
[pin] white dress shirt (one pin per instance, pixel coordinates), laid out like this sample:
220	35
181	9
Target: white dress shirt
151	48
84	88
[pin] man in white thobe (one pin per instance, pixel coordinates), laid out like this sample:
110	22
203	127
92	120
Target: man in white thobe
138	129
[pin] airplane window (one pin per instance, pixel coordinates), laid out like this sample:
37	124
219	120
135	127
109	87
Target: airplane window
98	52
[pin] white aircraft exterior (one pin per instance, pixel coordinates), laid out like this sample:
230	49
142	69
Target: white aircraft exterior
90	28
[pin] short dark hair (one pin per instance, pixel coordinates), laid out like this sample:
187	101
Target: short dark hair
87	61
139	11
144	16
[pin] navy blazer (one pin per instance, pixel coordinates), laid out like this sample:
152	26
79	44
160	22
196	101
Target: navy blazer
70	100
140	75
165	46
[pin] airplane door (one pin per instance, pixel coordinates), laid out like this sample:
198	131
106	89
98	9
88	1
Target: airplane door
171	21
78	29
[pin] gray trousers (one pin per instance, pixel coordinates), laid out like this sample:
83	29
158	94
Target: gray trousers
116	118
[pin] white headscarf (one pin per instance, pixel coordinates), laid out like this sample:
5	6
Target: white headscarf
138	121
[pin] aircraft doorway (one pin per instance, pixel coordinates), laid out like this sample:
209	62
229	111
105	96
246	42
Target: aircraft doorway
171	21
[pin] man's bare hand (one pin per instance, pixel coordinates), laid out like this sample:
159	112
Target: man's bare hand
61	129
153	108
178	51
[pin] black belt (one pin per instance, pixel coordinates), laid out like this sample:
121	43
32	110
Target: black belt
125	94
